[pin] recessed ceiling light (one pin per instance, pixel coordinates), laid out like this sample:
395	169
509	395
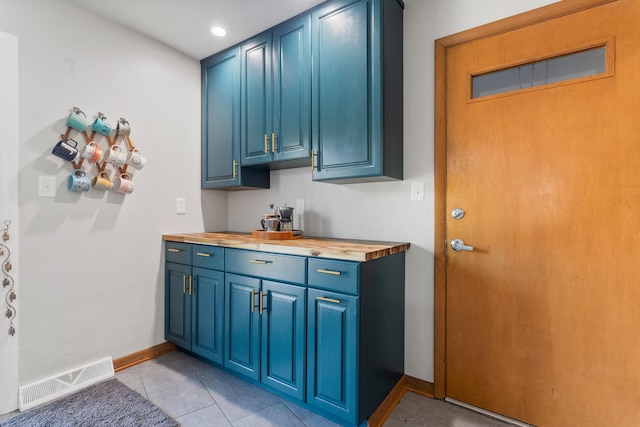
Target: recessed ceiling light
218	31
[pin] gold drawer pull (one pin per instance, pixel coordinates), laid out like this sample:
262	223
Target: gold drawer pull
258	261
174	250
335	301
202	254
184	283
332	272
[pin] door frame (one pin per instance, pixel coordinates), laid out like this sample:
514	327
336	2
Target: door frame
525	19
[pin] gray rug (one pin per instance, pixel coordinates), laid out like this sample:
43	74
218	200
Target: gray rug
107	404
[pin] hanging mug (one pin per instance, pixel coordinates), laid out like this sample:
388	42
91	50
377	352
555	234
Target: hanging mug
78	120
115	156
65	150
100	125
123	184
78	181
92	152
102	182
136	160
123	127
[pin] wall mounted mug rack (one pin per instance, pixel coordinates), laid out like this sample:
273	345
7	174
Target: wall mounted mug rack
120	154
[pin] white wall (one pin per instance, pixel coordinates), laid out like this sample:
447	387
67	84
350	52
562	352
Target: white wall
383	211
91	281
9	212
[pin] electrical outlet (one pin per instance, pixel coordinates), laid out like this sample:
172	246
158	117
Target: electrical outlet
299	206
417	191
181	205
47	186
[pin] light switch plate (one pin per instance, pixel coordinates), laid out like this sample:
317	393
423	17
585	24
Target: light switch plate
417	191
299	206
181	205
47	186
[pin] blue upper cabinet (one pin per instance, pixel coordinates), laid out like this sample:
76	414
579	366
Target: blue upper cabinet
321	89
257	100
221	161
357	90
276	96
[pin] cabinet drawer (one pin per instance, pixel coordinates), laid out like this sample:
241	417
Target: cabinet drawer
339	276
287	268
178	252
211	257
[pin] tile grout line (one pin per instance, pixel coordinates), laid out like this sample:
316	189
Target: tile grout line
215	402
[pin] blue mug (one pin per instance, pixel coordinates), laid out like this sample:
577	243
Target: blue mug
66	151
78	120
100	125
78	181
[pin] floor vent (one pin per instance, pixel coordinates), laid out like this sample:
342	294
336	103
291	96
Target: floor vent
43	391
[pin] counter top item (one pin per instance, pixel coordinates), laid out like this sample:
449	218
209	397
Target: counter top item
351	250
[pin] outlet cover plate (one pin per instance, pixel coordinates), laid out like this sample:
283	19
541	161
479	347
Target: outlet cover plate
47	186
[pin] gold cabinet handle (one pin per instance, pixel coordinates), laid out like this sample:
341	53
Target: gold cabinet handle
273	142
332	272
190	285
235	166
258	261
184	283
313	159
202	254
253	306
174	250
266	143
335	301
261	304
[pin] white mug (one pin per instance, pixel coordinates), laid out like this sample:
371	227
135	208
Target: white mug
136	160
123	184
92	152
115	156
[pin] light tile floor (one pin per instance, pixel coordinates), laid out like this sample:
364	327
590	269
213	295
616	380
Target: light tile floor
197	394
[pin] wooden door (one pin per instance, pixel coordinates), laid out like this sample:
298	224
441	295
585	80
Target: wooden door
542	318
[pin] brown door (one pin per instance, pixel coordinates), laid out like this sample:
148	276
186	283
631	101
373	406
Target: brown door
543	317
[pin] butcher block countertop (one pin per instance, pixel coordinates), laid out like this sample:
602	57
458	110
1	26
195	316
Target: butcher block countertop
351	250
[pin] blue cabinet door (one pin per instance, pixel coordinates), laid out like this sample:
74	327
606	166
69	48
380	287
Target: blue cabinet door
332	349
177	305
242	325
276	95
257	100
283	337
357	90
221	162
207	309
291	138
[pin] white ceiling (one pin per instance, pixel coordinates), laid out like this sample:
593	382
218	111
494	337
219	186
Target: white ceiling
185	24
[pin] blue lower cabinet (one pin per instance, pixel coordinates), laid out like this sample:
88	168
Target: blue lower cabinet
195	309
326	333
332	348
242	326
177	305
283	337
265	332
207	313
